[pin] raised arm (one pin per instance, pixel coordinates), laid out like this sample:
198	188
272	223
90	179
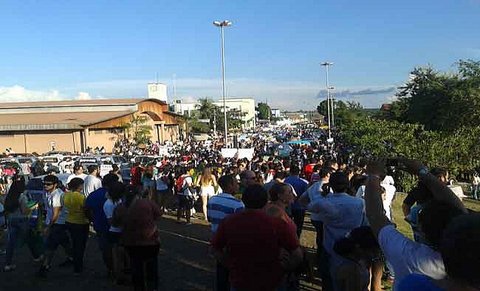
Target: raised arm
373	198
439	190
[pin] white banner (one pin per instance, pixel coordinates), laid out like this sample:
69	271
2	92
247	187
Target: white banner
246	153
239	153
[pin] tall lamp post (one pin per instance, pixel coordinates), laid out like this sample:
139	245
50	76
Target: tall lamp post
222	25
329	106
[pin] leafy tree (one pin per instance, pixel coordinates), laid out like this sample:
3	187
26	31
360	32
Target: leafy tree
440	101
139	129
234	119
195	125
264	111
343	113
206	108
457	151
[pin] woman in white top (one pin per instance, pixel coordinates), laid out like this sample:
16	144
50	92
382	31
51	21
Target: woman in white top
207	183
115	194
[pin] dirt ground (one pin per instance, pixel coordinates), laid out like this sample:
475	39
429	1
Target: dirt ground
184	263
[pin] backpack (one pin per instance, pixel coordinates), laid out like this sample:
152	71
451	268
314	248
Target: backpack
179	184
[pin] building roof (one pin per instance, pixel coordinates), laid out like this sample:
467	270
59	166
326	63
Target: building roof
69	103
55	121
71	114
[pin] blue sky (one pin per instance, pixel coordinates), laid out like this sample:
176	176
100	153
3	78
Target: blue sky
111	49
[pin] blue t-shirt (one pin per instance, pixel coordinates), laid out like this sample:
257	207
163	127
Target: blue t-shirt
95	202
417	282
300	185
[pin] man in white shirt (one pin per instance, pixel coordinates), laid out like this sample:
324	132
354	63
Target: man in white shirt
404	255
92	182
340	214
55	228
77	173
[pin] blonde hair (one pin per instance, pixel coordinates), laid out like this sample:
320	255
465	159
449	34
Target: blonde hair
207	177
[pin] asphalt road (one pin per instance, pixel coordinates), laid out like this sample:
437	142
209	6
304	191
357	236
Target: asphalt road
184	263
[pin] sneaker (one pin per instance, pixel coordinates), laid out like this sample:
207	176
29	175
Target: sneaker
3	252
42	273
9	268
68	262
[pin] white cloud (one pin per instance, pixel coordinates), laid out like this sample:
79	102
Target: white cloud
83	96
291	95
20	94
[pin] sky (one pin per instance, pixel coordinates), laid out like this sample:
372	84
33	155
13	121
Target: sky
55	50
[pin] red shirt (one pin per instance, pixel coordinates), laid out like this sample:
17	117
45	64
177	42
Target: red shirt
252	240
139	226
136	176
308	170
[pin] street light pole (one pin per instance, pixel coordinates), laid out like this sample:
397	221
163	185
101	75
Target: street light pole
223	24
332	103
329	106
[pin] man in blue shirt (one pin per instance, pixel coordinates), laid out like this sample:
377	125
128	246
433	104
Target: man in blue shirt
94	205
300	186
219	207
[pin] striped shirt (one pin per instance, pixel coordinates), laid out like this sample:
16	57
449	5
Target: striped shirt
221	205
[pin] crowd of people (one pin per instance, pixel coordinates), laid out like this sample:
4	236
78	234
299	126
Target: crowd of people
256	207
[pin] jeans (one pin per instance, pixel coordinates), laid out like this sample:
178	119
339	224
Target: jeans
18	233
324	269
298	216
79	235
144	264
106	249
476	191
319	238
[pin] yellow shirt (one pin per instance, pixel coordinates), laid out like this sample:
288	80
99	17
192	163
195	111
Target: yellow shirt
74	204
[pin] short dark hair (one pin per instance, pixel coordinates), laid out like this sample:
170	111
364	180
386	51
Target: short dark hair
280	175
51	179
439	172
459	249
92	168
434	218
294	170
116	191
226	180
276	190
77	167
75	183
339	182
255	197
109	179
326	171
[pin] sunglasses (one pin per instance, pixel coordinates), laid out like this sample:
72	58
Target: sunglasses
47	184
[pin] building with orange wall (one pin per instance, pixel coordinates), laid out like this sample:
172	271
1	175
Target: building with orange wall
76	125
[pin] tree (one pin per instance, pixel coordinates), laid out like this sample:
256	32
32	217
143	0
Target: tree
441	101
234	119
457	151
139	129
264	111
206	108
343	113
